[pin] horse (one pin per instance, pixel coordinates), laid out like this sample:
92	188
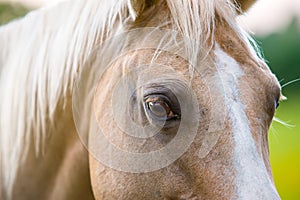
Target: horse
135	99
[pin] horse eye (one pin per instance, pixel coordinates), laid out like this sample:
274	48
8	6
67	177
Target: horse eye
160	109
277	104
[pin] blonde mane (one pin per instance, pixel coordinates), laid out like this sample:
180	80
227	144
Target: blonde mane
42	53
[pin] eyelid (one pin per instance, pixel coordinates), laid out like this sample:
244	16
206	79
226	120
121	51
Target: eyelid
157	97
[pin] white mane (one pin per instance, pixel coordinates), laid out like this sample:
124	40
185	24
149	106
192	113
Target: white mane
41	54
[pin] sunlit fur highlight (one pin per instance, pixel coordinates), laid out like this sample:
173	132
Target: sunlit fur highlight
42	53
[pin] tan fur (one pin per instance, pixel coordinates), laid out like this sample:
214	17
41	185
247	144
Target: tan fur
41	155
259	75
62	172
191	177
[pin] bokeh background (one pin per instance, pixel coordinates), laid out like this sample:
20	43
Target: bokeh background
275	24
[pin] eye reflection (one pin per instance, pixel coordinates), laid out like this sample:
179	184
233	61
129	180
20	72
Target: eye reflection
160	109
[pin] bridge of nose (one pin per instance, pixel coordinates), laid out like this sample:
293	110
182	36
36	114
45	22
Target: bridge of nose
252	178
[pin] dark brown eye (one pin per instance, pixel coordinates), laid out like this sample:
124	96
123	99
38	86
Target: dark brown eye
159	108
278	99
277	104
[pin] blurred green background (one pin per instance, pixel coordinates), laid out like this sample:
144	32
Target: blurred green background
282	51
10	11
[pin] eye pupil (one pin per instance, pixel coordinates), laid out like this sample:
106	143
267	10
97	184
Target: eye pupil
159	109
